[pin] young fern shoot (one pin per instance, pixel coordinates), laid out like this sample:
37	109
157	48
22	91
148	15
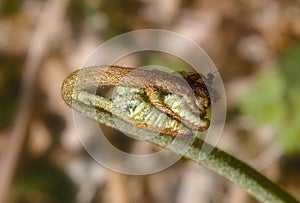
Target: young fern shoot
172	105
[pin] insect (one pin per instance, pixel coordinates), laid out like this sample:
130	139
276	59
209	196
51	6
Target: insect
209	78
150	99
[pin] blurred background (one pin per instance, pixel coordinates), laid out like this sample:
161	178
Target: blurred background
255	45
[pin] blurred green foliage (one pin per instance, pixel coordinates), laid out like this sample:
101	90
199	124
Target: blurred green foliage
43	183
9	7
275	98
265	102
165	60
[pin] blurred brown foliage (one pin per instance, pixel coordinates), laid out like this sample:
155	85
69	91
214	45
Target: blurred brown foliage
245	39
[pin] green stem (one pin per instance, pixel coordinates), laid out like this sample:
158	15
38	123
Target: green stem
233	169
217	160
